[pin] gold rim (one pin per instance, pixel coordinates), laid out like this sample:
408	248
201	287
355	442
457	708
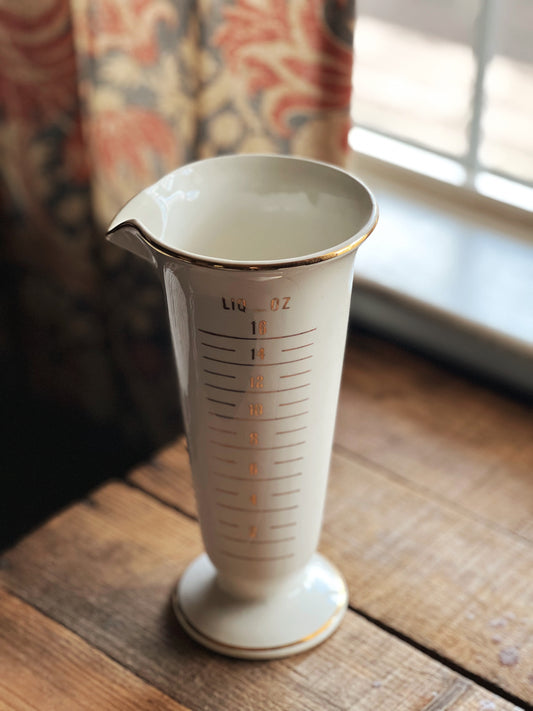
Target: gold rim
246	266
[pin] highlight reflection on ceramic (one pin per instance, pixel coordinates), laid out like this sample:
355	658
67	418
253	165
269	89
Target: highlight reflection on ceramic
256	256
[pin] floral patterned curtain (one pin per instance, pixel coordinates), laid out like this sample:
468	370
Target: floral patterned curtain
100	99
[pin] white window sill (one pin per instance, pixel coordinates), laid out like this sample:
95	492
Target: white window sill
450	276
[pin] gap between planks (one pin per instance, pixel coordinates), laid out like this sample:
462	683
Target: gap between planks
347	455
99	661
350	634
441	659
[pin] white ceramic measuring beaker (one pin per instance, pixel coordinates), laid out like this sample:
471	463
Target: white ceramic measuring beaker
256	256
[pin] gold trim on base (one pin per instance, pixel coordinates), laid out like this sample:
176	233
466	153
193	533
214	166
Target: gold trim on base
216	645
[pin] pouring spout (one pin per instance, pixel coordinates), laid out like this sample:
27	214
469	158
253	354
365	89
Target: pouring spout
129	237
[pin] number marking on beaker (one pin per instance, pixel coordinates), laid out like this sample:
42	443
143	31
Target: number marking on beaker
255	409
259	328
259	353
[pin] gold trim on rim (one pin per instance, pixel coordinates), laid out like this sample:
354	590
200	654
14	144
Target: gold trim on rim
246	266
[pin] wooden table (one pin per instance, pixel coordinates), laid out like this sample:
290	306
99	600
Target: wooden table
429	515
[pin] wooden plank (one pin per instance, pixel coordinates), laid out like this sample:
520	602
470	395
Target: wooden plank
439	431
429	569
453	584
168	476
45	666
105	570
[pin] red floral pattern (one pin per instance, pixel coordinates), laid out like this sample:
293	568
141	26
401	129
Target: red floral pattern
130	27
37	62
99	105
287	51
127	142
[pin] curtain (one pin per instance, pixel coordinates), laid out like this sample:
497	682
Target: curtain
100	99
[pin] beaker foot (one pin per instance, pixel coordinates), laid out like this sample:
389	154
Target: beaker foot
266	628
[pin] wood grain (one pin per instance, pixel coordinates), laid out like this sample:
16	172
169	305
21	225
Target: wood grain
438	431
45	667
451	581
104	569
168	476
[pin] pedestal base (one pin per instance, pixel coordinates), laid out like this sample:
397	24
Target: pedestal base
272	627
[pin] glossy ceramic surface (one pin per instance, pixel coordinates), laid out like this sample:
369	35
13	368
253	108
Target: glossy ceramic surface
256	257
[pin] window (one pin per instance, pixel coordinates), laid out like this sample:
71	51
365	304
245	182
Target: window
455	79
443	134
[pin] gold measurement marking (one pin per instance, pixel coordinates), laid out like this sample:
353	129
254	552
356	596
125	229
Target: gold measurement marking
255	365
228	523
261	419
255	449
255	541
286	493
284	525
219	429
288	461
298	429
256	478
293	375
221	402
219	348
226	491
254	392
260	559
255	338
222	375
296	348
227	461
255	510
